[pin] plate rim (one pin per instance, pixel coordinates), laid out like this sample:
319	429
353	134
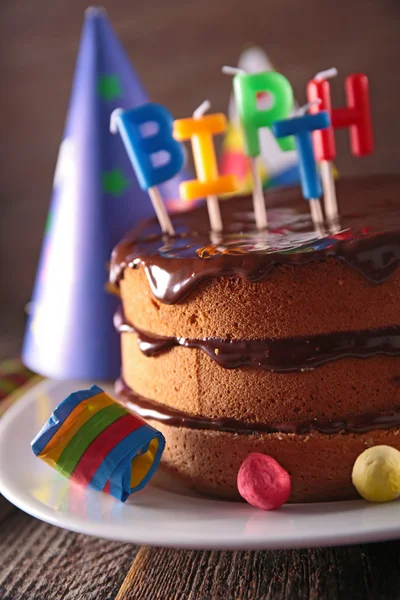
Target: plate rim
79	524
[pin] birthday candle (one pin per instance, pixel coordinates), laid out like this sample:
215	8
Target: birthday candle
301	127
200	130
142	148
356	116
246	88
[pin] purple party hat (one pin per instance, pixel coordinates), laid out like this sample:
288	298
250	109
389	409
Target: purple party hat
96	199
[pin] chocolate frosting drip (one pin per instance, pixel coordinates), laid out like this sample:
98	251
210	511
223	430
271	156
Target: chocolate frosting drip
148	409
369	241
281	355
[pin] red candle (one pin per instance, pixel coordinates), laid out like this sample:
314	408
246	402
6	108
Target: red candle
356	116
318	90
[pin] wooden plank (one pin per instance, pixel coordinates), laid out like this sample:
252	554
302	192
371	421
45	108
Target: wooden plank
359	572
6	508
42	562
39	561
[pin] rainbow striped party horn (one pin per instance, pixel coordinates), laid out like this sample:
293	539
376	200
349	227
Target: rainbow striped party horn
95	441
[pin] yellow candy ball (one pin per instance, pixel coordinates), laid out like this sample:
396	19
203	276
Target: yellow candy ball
376	474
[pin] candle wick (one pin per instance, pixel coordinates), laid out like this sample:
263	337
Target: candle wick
113	119
233	70
202	109
326	74
303	109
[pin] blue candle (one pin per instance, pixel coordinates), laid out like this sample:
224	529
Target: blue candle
143	149
301	128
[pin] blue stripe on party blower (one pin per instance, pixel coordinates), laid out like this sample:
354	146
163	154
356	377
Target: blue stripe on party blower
301	127
146	132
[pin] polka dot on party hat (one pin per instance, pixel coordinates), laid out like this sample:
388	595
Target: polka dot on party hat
262	482
93	440
376	474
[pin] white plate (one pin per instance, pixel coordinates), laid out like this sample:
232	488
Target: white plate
162	518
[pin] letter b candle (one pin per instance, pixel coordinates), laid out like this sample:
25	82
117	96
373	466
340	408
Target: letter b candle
142	148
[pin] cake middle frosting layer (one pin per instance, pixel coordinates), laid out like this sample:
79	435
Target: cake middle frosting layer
148	409
280	355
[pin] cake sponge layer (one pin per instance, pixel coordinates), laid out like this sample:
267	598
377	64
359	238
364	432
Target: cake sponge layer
320	465
189	380
301	300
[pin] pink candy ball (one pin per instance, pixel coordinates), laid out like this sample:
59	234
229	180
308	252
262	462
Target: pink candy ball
262	481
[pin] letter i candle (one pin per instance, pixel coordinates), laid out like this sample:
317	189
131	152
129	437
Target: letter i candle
200	129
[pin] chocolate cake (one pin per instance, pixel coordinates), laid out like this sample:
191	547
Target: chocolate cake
282	342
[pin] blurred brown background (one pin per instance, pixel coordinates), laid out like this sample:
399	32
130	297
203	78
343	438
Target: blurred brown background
178	47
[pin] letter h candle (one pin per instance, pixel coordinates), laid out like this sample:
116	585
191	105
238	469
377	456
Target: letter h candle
356	116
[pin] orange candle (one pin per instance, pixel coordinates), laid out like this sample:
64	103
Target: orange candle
201	131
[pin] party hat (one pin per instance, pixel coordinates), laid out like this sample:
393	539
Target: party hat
96	199
277	167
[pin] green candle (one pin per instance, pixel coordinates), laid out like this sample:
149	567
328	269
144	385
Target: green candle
246	87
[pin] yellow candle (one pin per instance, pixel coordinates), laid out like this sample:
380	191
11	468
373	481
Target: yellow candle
201	131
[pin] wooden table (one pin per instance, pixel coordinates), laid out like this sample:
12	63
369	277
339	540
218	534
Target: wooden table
40	562
178	47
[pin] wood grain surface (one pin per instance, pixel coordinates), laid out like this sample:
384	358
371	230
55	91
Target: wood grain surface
358	572
42	562
178	47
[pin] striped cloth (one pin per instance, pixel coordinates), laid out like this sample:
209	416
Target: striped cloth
95	441
15	379
13	375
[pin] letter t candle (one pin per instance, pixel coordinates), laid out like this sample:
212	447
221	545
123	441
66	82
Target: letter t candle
301	127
